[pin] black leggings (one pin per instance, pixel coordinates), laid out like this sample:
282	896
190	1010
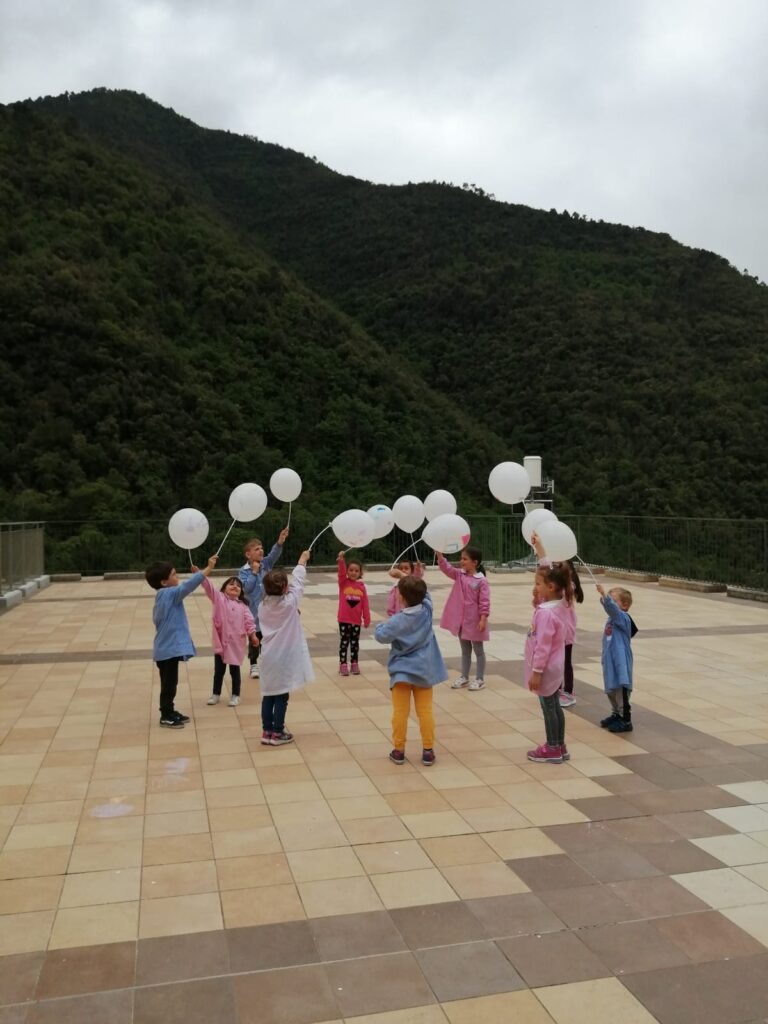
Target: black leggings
253	652
219	668
568	669
350	638
554	719
273	711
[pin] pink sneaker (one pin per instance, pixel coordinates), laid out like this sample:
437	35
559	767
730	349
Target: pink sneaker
546	755
355	669
564	752
343	669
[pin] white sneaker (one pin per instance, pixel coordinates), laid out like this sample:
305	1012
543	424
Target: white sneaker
458	683
477	684
254	671
234	701
213	699
567	700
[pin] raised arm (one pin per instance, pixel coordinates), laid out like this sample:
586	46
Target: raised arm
446	567
341	567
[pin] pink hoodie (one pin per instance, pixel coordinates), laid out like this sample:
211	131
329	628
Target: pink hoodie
232	625
353	599
469	598
545	646
570	612
393	597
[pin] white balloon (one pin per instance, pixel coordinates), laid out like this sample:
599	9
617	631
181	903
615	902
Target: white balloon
558	540
448	533
408	512
509	482
188	528
439	503
285	484
354	528
534	520
247	502
383	518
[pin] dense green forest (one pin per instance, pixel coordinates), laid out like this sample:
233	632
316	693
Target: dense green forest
184	309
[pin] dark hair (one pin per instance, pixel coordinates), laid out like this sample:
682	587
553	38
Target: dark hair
408	562
557	573
412	590
156	573
577	592
476	555
234	579
356	561
275	582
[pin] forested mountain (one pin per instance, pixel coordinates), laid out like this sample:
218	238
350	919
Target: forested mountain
186	308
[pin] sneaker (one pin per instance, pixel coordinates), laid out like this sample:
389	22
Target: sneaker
620	726
214	698
567	700
458	683
181	718
171	723
606	723
546	755
233	701
279	738
427	757
266	738
564	752
477	684
355	669
397	756
343	669
254	671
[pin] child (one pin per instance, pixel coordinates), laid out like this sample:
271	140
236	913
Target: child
617	657
173	641
353	611
285	663
575	594
232	624
405	567
466	612
415	665
545	657
251	576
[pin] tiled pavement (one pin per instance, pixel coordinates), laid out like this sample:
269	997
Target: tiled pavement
149	876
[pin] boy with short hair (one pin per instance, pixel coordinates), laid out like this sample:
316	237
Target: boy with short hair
617	657
415	665
173	641
252	578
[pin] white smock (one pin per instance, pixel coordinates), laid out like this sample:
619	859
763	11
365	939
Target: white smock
285	662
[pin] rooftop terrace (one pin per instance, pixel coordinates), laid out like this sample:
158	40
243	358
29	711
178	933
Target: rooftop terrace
150	875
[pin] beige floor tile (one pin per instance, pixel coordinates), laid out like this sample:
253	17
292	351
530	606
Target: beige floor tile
25	933
245	842
124	787
757	873
595	767
354	807
337	788
119	885
524	842
413	1015
250	872
245	907
312	836
302	812
230	779
103	856
243	796
178	823
593	1002
734	850
52	792
34	837
752	792
168	803
24	895
754	920
577	789
448	851
418	802
474	881
59	810
520	1007
439	823
290	792
161	880
742	819
722	887
110	830
314	865
338	896
494	819
452	778
413	888
93	926
551	812
285	773
180	915
381	858
473	797
177	849
29	863
229	819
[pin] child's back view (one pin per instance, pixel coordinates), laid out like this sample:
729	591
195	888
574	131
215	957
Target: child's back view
617	657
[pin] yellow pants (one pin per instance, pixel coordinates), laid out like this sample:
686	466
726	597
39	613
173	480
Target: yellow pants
401	706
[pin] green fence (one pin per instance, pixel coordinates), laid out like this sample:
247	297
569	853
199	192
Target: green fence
733	551
21	554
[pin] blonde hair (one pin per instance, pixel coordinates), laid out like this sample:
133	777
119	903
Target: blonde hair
624	596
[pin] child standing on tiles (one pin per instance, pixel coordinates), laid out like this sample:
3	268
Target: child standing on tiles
617	657
466	612
354	612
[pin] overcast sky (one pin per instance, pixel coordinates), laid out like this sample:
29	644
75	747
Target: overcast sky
645	112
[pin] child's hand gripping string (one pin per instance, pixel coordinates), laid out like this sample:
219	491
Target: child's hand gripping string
600	589
304	557
283	537
209	567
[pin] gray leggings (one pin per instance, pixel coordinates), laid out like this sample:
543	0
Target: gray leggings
467	646
554	719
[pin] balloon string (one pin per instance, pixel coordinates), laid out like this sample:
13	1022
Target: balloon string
319	535
290	504
580	559
225	537
399	557
190	558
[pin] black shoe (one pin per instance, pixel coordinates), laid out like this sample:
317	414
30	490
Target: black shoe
398	756
171	723
181	718
620	726
606	723
428	756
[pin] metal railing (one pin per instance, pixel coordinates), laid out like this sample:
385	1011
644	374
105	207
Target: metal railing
732	551
21	554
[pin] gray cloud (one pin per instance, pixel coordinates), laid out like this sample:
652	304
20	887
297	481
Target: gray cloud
647	112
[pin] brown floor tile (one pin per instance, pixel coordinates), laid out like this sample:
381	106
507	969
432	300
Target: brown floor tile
70	972
603	808
181	957
614	863
522	914
626	785
288	944
641	830
351	935
18	976
586	836
722	992
438	924
737	988
299	995
468	970
632	946
721	774
697	799
707	936
378	983
587	906
657	897
555	958
677	858
556	872
659	771
696	824
14	1014
103	1007
194	1002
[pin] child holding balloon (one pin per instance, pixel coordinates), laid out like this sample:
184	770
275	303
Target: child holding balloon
405	567
545	657
353	613
466	612
575	595
252	576
232	626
